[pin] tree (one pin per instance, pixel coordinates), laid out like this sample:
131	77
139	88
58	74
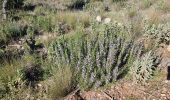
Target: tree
4	5
10	6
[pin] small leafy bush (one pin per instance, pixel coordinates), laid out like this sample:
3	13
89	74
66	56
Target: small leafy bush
32	73
14	4
43	23
164	5
12	30
63	28
147	3
95	7
144	67
78	4
160	33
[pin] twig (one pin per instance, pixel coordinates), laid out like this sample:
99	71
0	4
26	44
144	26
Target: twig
108	96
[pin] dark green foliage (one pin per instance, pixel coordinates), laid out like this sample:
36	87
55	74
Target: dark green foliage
119	0
78	4
33	73
14	4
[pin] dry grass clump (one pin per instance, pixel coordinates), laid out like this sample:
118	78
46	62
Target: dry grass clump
167	6
144	4
60	84
132	12
83	19
8	71
154	17
95	8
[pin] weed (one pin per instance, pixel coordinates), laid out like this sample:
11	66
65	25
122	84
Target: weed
144	67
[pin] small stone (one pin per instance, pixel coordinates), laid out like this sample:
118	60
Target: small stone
98	18
119	24
107	20
166	81
164	89
39	85
168	48
163	95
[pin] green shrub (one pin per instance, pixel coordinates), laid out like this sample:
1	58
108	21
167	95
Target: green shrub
96	61
13	4
32	73
12	30
160	33
119	0
31	31
95	7
144	67
40	23
9	74
78	4
147	3
164	5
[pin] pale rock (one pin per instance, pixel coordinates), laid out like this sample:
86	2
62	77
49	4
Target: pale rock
98	18
119	24
39	85
166	81
163	95
107	20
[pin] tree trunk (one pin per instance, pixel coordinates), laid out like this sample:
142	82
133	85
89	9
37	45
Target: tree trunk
4	4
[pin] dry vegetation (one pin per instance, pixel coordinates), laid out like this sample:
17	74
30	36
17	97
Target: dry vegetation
51	48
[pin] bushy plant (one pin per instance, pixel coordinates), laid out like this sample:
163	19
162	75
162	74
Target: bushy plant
59	87
21	78
96	61
8	75
12	30
146	3
78	4
9	32
11	4
164	5
144	67
160	33
42	23
18	90
63	28
95	7
31	31
33	73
